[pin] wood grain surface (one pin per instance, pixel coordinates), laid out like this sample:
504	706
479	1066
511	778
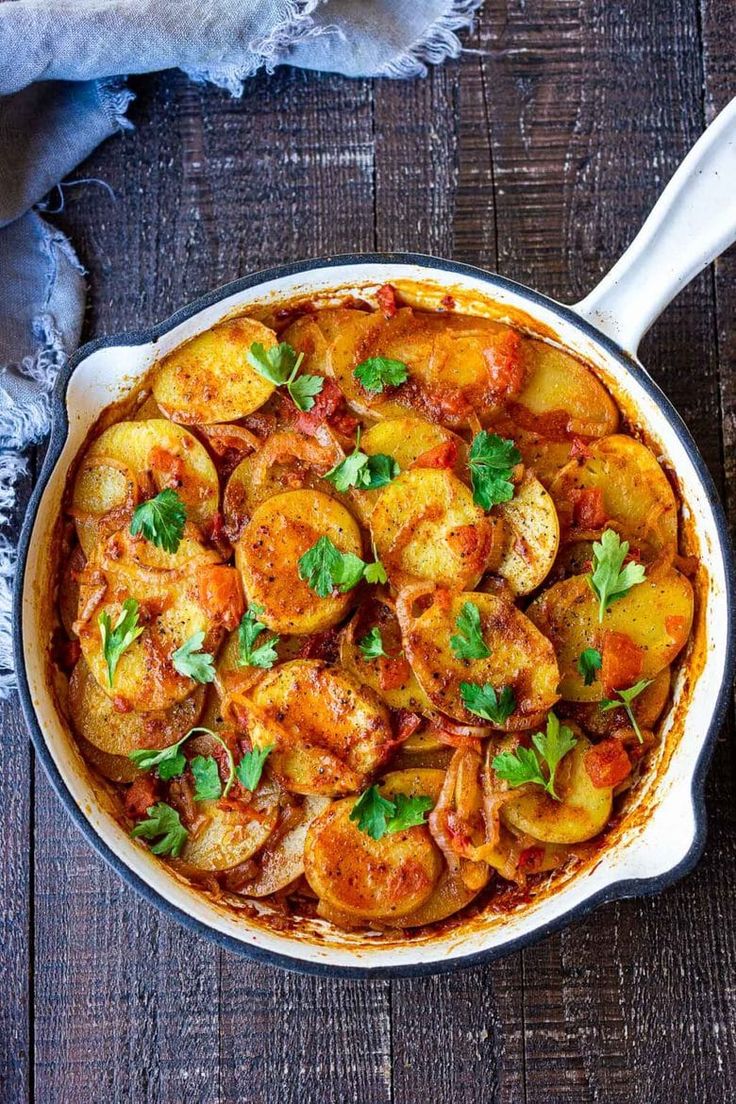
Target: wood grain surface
537	154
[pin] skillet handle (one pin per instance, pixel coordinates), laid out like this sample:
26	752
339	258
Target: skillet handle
693	221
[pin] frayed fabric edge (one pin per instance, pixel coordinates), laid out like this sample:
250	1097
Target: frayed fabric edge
116	98
8	560
435	45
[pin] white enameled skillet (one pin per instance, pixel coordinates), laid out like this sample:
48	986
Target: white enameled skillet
663	833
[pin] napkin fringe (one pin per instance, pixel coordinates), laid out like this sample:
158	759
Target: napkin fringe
7	574
438	43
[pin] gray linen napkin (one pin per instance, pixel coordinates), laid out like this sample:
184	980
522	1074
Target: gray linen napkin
62	92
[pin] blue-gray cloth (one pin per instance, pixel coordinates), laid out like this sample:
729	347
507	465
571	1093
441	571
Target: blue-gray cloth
62	92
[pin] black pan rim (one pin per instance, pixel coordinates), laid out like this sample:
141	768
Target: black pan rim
616	890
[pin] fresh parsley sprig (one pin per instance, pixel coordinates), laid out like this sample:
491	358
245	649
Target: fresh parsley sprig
608	580
375	373
525	764
161	520
170	762
492	705
164	825
280	365
250	628
624	699
117	638
371	645
378	816
250	767
367	473
207	784
589	661
491	461
326	569
469	642
193	663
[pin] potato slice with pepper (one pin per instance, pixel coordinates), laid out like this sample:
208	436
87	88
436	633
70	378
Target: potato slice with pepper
531	536
117	732
131	462
389	675
520	656
581	813
282	862
426	526
647	708
374	880
329	733
225	837
562	396
178	594
209	379
627	487
655	616
281	530
410	439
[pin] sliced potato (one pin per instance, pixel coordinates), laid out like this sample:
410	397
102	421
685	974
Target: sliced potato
531	536
223	838
179	594
116	768
209	379
328	732
426	526
390	676
561	390
69	577
543	456
581	813
408	438
656	615
366	878
647	708
331	338
131	462
283	862
637	496
117	732
521	657
281	530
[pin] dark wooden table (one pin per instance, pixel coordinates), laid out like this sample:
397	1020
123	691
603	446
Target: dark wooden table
537	156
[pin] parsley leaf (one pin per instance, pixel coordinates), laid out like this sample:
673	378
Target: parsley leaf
379	372
163	823
280	364
117	638
525	764
372	644
491	461
207	786
250	628
625	698
377	816
171	762
161	520
484	701
375	573
607	581
589	661
363	471
190	662
250	767
469	643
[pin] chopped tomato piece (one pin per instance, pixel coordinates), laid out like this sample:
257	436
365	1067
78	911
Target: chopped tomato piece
329	406
393	673
531	857
141	796
407	724
221	593
167	465
621	661
321	645
447	302
587	508
607	763
386	297
674	624
506	365
441	456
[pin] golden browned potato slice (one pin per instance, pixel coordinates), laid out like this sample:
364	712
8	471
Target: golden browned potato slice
69	577
637	496
131	462
116	768
531	536
390	676
281	530
542	456
521	657
209	378
408	438
426	526
179	594
117	733
646	706
282	862
329	335
223	838
656	615
560	387
581	813
285	462
371	879
328	732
